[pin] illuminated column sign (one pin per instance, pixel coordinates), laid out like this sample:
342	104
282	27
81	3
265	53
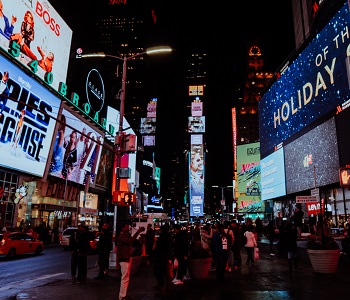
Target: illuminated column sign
196	176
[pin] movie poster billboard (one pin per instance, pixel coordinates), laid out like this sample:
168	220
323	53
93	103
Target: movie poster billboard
27	122
41	36
196	175
77	150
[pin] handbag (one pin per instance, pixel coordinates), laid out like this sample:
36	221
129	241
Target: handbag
256	253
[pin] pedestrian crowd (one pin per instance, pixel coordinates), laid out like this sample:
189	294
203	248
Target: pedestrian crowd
170	250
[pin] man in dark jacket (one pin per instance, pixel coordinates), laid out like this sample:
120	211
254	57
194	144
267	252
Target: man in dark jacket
220	252
83	248
104	249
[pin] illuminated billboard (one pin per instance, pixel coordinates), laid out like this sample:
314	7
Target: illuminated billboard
196	175
196	125
248	169
76	157
26	125
273	179
148	126
196	109
312	159
37	37
250	204
320	81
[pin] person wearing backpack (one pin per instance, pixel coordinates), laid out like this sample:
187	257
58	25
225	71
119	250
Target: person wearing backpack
220	252
230	238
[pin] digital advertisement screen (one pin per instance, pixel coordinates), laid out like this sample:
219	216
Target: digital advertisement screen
148	140
250	204
196	125
196	175
273	180
312	159
27	125
320	83
248	169
41	35
76	157
148	126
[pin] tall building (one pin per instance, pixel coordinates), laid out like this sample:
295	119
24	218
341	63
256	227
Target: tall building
257	77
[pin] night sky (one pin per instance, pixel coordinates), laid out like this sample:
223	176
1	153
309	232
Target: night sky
222	30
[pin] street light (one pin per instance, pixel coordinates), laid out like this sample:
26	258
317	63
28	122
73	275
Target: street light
119	150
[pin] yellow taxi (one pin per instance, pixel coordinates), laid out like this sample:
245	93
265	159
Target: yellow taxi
14	243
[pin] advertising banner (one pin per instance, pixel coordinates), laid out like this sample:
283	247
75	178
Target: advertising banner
273	178
41	36
248	169
250	204
320	77
196	176
26	125
76	156
196	124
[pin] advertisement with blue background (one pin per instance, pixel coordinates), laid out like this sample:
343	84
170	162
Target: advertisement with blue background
314	83
26	125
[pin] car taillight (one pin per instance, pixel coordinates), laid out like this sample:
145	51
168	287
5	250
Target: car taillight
3	242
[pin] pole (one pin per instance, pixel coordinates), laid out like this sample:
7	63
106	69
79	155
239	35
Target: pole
113	258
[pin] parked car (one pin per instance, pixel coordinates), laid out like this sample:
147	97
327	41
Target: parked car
14	243
64	238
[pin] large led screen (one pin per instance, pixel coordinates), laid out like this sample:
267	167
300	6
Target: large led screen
26	122
41	35
196	175
312	159
77	150
196	125
273	180
315	83
248	169
250	204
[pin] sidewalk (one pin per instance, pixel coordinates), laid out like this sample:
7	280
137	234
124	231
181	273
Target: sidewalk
268	279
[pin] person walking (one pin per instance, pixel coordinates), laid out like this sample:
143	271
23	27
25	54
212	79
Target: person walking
237	245
83	248
150	240
124	250
230	240
74	256
298	220
271	235
104	249
180	253
163	258
250	244
220	252
291	236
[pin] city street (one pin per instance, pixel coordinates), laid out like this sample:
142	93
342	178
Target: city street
268	279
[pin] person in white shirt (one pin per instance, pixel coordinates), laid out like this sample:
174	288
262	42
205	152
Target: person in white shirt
250	244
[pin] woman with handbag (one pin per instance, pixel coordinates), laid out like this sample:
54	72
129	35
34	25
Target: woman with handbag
250	244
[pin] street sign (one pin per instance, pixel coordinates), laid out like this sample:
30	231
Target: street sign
305	199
